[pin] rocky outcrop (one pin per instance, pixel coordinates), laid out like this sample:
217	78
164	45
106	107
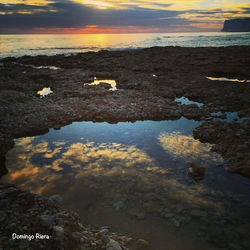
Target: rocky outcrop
31	221
147	81
196	171
237	25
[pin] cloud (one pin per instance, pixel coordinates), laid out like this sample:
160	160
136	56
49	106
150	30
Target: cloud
25	16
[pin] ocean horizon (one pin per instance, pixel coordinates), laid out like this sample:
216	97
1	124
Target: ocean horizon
16	45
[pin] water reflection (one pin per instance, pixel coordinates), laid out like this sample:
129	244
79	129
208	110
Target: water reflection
95	149
142	164
188	148
42	67
226	79
112	83
228	116
44	92
186	101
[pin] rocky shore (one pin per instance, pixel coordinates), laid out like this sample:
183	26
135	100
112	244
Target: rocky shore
147	81
31	221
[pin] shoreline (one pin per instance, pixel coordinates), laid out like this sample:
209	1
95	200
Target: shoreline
147	81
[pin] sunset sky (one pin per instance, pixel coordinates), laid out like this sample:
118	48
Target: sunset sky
110	16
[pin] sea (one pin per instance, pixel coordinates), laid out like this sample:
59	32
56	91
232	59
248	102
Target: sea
52	44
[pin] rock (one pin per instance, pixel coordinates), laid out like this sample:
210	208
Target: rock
119	205
168	215
59	232
140	216
141	244
103	231
105	239
179	208
196	171
2	216
113	245
237	25
104	85
152	196
47	220
24	244
55	200
198	213
77	235
176	223
10	190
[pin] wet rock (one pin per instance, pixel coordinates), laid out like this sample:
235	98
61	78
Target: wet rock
196	171
153	207
56	200
104	231
179	208
24	244
242	167
104	85
47	220
119	205
2	216
141	244
113	245
176	223
105	239
59	232
198	213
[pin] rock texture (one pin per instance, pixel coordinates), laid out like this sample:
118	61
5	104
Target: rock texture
31	221
148	81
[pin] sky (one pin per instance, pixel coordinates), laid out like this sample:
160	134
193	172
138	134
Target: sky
120	16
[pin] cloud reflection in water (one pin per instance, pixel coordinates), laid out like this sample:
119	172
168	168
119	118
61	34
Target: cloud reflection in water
49	164
188	148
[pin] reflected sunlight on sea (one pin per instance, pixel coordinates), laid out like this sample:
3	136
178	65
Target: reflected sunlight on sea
51	44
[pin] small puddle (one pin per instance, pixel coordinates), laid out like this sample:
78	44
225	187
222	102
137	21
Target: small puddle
226	79
112	83
44	92
228	116
44	67
186	101
38	67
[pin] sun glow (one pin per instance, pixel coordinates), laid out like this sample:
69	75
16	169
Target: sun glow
98	4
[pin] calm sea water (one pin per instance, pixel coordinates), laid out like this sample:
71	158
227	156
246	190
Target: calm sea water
19	45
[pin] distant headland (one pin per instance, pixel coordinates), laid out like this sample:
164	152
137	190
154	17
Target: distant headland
237	25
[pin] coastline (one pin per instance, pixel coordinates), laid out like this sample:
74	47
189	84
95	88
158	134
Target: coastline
148	81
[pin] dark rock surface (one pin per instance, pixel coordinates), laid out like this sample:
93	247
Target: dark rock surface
31	221
148	81
196	171
237	25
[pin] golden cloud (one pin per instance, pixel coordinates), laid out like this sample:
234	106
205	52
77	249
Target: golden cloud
28	2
